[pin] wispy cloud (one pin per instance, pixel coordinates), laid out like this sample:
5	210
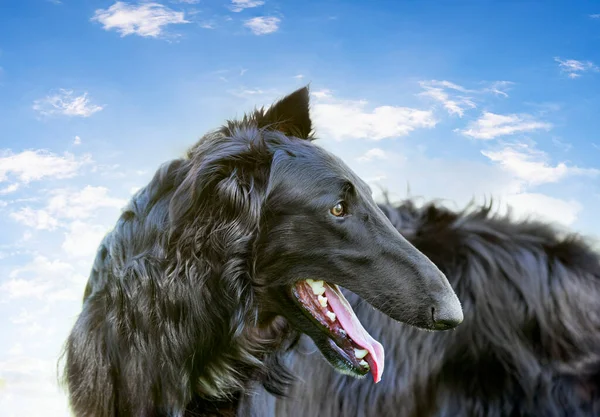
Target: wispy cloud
325	93
66	103
64	204
543	207
256	95
77	140
371	155
34	165
565	146
82	239
209	24
37	219
263	25
492	125
9	189
43	278
145	19
437	90
533	166
595	16
81	204
499	88
239	5
575	68
457	99
351	119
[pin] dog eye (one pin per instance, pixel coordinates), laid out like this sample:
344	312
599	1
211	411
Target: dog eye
339	210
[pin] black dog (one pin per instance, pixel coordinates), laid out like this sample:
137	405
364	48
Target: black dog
190	295
529	344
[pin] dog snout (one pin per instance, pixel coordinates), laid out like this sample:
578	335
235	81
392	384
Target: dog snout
446	314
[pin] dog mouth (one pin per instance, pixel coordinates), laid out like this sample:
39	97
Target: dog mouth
355	348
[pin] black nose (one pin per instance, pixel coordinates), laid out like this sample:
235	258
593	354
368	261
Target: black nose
446	317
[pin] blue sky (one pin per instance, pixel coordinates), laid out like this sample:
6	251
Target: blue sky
458	100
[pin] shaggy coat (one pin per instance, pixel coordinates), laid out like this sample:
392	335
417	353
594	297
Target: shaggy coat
529	344
191	295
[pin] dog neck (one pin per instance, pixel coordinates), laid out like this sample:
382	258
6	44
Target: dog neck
254	357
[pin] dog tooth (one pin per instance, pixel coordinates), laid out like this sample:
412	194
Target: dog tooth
317	286
364	363
322	301
331	315
360	353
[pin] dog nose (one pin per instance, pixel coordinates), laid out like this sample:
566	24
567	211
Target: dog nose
446	316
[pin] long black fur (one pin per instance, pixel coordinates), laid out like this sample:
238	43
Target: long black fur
170	318
529	344
185	304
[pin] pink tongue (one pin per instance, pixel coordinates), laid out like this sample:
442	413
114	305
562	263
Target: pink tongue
355	330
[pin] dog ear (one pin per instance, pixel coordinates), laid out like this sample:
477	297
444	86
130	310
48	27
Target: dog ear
290	115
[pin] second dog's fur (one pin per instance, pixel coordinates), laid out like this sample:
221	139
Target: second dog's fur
529	344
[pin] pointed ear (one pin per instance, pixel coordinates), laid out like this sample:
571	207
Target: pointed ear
290	115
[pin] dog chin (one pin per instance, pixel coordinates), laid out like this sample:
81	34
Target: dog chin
337	357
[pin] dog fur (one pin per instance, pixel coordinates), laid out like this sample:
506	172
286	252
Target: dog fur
188	300
529	344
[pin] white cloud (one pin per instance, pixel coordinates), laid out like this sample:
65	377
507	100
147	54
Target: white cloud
77	140
492	125
83	239
457	99
263	25
239	5
595	16
50	280
16	350
38	219
543	207
498	88
372	154
255	93
9	189
66	204
34	165
66	103
565	146
145	19
188	1
532	166
449	85
325	93
350	119
299	76
409	173
436	90
575	68
83	203
208	25
25	377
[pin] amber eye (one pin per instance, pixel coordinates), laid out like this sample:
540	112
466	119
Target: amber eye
339	210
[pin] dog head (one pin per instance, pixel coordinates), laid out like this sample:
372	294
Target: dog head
309	224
